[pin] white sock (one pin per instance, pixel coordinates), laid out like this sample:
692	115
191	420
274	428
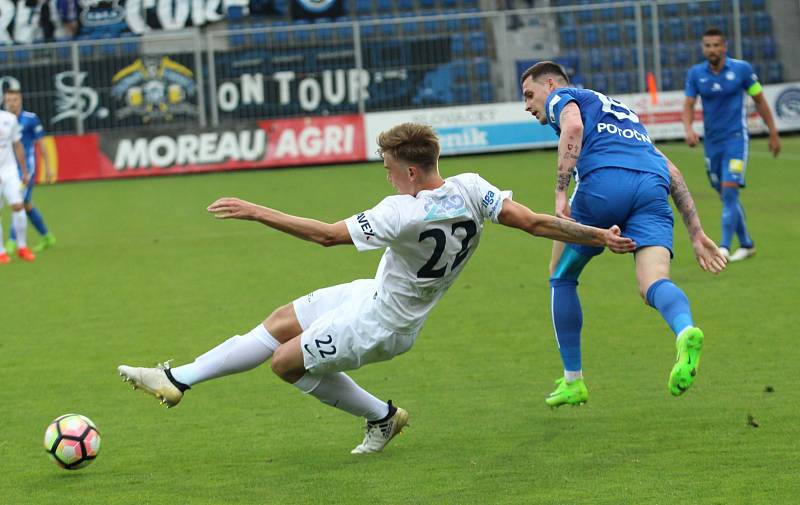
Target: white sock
340	391
237	354
19	221
573	376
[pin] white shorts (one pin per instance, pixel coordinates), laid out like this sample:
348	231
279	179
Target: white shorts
341	331
10	186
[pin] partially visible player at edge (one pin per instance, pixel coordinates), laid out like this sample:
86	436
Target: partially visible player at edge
620	177
12	153
32	133
429	232
724	83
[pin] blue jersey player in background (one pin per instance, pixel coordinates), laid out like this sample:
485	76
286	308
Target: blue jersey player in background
621	178
32	133
724	83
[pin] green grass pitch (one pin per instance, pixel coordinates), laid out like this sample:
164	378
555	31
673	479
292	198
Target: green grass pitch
142	273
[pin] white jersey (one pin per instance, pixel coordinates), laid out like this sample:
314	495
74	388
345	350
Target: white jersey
10	132
428	240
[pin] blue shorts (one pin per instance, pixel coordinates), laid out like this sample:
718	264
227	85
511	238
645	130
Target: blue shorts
726	161
638	202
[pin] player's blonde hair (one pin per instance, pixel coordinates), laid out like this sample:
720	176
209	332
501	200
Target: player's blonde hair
413	143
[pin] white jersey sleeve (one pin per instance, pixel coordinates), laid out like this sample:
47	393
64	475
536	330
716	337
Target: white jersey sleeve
490	196
377	227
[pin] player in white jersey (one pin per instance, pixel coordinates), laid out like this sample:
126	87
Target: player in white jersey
430	230
11	153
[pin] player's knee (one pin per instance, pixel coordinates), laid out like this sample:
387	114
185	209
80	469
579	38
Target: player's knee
17	207
282	323
28	207
730	194
280	362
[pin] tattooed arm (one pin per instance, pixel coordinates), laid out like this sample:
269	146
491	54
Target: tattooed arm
569	150
516	215
708	255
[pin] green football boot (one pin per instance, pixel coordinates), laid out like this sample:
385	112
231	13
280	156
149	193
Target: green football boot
689	344
46	242
568	393
11	246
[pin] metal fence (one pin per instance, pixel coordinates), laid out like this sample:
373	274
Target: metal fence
222	77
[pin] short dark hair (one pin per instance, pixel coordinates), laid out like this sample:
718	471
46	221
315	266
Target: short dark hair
545	67
714	32
414	143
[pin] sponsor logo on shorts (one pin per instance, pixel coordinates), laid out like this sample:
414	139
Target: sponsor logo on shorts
736	166
365	226
488	199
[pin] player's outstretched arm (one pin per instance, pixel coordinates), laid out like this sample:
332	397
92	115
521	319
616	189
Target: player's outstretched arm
307	229
706	251
517	215
569	150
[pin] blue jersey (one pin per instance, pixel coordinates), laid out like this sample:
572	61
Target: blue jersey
613	136
32	131
723	95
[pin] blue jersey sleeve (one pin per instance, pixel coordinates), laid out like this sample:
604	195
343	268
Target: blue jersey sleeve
555	104
690	88
38	129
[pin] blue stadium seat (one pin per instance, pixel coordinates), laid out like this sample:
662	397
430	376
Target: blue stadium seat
596	59
86	50
617	58
681	54
457	45
675	28
623	82
666	57
612	33
462	93
745	24
427	4
774	72
62	52
485	92
482	69
757	5
459	71
608	14
768	48
477	43
410	28
569	36
4	55
449	4
235	13
718	21
301	35
763	23
388	29
363	7
748	49
586	16
385	6
667	80
713	6
693	9
696	27
599	82
405	5
670	10
566	19
369	31
629	32
590	36
453	24
474	23
569	61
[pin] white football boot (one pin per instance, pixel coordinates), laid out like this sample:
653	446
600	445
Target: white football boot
379	434
742	253
153	381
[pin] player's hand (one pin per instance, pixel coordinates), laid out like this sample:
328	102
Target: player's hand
691	138
774	145
562	206
233	208
26	179
708	254
617	243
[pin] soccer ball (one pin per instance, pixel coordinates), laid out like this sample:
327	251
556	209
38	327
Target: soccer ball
72	441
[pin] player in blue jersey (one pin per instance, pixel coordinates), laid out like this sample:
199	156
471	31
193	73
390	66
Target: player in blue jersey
620	178
723	84
32	133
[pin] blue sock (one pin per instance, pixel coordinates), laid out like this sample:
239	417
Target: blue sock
730	215
741	228
37	221
671	303
567	321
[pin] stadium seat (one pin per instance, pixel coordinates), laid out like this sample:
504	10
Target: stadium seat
670	10
385	7
427	4
599	82
457	45
474	23
459	71
748	49
482	69
712	7
617	58
693	9
453	24
363	7
586	16
612	33
757	5
608	14
566	19
569	61
477	43
485	92
745	24
462	93
410	28
630	32
667	81
697	26
405	6
774	72
675	28
623	82
596	59
589	36
449	4
568	36
62	52
763	23
681	54
368	31
768	49
235	13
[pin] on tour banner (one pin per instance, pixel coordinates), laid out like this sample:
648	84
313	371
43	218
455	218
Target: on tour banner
262	144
